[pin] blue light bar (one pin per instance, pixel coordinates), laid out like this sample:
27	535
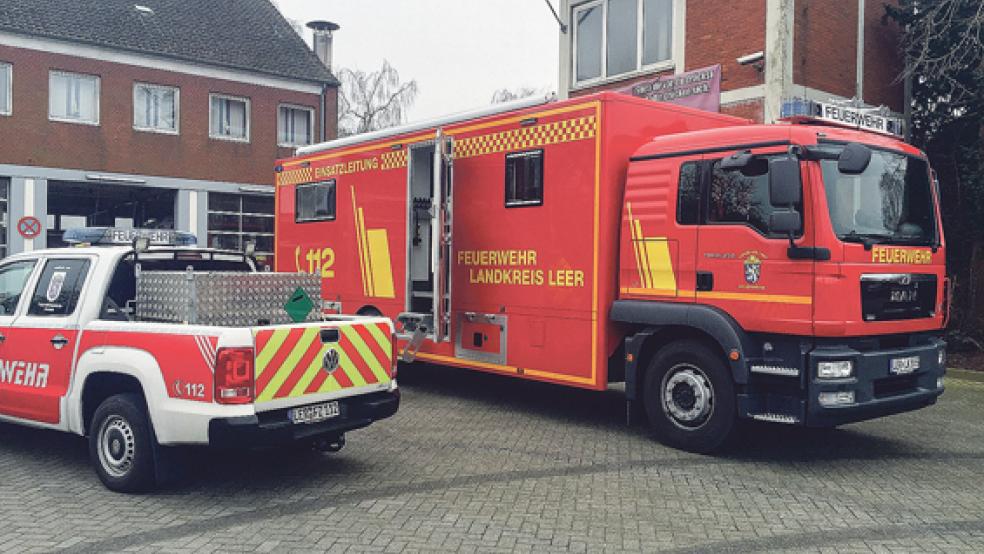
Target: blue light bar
115	235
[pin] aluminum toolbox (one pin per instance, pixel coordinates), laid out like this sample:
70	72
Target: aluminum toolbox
232	299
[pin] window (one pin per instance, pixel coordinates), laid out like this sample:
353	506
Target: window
617	37
155	108
73	97
294	124
235	219
59	287
6	88
229	117
742	197
13	278
524	178
688	205
315	202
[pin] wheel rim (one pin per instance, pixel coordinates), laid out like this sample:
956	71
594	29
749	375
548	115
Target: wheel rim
116	446
687	396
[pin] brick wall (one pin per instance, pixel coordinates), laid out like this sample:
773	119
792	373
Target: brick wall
718	32
29	138
750	109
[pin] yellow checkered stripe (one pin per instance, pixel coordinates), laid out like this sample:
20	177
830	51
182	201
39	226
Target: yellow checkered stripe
393	159
555	132
295	176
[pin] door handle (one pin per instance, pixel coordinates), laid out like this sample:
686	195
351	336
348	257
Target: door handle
3	337
59	342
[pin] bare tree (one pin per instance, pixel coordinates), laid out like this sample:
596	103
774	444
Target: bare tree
508	95
372	101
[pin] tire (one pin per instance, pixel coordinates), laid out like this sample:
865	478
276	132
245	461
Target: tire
689	397
121	444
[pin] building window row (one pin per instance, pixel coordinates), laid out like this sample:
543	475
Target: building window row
74	98
602	47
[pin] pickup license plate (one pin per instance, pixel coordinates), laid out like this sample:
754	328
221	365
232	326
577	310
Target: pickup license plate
314	413
903	366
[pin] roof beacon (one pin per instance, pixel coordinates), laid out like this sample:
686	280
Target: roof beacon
876	120
120	236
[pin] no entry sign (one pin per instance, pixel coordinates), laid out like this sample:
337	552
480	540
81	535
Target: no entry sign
29	226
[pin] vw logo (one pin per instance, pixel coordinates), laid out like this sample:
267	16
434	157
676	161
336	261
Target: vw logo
330	361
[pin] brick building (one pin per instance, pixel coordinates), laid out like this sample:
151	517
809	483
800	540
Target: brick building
152	113
791	49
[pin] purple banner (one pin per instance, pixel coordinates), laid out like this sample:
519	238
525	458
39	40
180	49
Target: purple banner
700	88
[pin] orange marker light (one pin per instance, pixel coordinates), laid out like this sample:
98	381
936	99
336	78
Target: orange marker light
734	355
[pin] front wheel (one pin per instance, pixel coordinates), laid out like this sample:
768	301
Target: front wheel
121	444
690	397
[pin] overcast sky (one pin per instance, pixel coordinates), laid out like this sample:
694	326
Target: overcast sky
459	51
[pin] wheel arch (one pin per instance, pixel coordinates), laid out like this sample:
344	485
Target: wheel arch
109	371
653	325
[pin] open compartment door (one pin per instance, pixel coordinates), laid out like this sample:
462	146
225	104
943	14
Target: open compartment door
441	243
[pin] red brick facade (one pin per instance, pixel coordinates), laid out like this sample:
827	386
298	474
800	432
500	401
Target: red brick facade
29	138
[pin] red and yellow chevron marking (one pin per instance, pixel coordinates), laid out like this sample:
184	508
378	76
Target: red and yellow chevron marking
289	361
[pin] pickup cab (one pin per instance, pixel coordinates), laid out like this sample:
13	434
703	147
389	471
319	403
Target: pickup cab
75	356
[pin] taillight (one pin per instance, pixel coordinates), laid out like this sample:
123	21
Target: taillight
234	376
393	355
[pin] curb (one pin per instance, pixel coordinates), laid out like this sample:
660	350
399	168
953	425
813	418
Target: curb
965	375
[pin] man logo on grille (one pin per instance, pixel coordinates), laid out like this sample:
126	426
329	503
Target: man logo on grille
330	361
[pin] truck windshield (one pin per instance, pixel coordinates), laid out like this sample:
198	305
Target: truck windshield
891	202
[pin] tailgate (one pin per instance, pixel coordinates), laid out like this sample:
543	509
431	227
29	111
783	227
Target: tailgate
298	364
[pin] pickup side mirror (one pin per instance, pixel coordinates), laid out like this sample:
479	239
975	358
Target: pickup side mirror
785	186
854	159
786	221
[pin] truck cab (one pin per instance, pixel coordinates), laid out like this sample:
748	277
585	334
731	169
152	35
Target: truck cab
807	259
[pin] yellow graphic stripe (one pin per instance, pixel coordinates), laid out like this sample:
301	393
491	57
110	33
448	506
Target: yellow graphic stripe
722	295
384	340
311	372
349	368
380	267
634	231
660	264
367	356
330	384
554	132
364	254
358	238
263	358
283	372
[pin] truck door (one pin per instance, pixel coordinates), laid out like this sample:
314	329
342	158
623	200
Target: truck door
742	267
441	225
41	343
14	279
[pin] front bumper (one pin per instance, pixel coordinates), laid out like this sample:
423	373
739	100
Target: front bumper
274	428
877	391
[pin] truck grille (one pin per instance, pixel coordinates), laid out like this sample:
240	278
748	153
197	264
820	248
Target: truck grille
895	296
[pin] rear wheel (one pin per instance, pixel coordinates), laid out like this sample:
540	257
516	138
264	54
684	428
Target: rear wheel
690	397
121	444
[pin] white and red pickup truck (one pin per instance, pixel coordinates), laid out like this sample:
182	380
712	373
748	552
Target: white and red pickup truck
76	356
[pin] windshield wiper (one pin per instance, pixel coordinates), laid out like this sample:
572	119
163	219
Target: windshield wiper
867	239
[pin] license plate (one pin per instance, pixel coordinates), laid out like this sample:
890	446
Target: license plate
314	413
902	366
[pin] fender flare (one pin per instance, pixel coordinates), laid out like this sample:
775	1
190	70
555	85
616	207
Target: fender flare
132	362
709	320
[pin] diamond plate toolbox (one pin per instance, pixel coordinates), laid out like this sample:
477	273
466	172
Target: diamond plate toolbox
222	298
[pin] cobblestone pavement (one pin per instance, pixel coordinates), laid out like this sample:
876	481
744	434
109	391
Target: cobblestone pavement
477	462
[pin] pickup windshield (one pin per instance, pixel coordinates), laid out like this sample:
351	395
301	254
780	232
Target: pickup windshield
891	202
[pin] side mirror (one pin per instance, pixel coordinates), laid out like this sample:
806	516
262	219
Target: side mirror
854	159
785	185
785	222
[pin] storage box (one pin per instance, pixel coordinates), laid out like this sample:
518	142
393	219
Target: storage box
233	299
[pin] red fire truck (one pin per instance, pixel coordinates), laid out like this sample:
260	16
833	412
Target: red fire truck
791	273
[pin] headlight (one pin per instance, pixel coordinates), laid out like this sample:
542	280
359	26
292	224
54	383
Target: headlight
839	398
835	370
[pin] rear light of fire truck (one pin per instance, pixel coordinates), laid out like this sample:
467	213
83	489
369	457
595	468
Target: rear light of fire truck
234	376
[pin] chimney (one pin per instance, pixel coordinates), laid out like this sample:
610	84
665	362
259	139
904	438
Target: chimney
322	39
